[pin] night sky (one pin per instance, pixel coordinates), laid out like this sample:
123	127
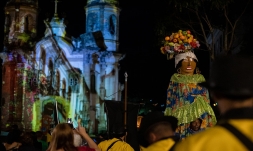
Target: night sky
148	70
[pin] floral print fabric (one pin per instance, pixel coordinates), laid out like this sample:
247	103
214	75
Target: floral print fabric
188	101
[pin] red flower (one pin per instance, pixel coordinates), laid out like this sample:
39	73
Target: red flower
167	47
193	44
163	51
182	47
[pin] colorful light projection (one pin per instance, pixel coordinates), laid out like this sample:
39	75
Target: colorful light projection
60	77
50	110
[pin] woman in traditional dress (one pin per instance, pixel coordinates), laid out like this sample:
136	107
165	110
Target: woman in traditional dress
186	100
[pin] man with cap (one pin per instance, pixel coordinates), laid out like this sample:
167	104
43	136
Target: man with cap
231	86
157	132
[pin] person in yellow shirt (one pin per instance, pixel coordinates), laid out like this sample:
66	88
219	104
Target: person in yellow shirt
48	135
231	86
157	132
117	142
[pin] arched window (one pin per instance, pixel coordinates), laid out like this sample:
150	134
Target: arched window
93	83
7	23
69	93
112	24
42	59
63	84
63	88
51	74
27	23
57	82
50	64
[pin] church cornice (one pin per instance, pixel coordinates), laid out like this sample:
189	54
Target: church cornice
20	8
102	2
103	5
24	4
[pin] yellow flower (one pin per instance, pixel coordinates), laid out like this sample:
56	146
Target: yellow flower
204	123
192	85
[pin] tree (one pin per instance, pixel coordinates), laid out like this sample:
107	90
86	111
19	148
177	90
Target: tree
205	18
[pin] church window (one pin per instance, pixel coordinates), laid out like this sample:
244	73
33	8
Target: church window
26	24
43	60
64	88
93	80
50	65
112	24
7	22
71	82
76	81
58	80
92	22
69	93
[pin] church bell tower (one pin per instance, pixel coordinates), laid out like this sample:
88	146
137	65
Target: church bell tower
20	18
19	36
103	15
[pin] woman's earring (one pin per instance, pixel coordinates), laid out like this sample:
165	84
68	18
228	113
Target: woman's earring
179	71
198	71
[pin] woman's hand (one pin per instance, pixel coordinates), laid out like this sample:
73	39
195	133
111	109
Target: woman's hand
81	130
14	145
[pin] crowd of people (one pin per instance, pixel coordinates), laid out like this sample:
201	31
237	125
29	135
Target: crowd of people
188	122
231	87
22	141
64	137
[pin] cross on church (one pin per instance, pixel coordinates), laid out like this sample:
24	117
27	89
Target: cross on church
55	8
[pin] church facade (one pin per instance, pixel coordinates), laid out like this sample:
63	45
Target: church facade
58	78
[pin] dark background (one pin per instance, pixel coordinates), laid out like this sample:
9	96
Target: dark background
148	70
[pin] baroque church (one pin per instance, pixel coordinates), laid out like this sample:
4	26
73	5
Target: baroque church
58	78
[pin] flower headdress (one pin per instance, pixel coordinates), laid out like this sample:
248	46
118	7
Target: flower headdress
179	42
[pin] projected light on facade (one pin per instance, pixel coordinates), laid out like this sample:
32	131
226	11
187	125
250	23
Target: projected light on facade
58	77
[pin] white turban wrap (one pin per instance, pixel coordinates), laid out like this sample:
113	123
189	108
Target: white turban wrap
77	140
182	56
